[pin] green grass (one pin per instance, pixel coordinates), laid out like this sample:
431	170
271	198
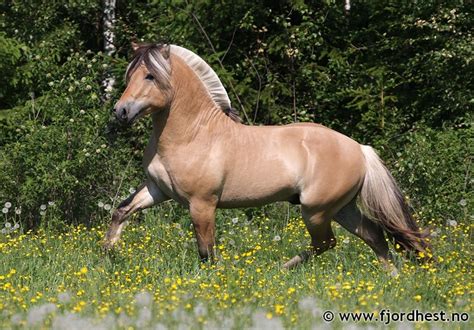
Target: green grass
157	256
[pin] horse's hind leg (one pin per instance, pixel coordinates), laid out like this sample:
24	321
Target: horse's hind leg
147	194
322	236
370	232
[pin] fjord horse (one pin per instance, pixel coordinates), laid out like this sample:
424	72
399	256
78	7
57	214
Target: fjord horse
201	156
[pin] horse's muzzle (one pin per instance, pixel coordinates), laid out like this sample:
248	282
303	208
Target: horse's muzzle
121	114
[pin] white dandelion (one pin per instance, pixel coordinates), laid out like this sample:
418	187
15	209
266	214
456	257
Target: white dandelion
260	321
200	310
64	297
143	298
144	318
452	223
37	314
16	319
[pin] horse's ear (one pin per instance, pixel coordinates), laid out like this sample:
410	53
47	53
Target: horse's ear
165	51
135	46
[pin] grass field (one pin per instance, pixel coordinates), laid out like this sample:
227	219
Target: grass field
63	279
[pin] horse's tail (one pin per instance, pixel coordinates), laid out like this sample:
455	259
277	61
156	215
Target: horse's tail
382	201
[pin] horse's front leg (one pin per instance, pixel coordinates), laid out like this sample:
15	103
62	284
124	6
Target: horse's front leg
203	219
148	194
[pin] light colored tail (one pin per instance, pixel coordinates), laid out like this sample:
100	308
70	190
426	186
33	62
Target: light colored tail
382	201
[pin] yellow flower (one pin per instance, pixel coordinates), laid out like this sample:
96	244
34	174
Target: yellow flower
279	309
79	306
83	270
417	297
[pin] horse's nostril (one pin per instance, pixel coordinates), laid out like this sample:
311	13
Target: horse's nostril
123	113
114	110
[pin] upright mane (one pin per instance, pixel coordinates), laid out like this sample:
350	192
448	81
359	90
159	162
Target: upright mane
151	55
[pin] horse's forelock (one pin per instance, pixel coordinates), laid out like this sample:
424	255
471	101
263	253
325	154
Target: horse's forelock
158	66
150	55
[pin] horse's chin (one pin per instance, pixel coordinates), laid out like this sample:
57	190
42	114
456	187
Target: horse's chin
132	120
138	115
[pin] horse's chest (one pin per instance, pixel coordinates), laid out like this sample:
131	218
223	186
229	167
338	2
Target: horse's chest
157	171
186	175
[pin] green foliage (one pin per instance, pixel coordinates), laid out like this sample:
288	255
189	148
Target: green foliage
60	152
10	54
436	167
372	73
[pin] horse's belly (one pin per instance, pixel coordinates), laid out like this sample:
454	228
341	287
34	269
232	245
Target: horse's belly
259	187
253	201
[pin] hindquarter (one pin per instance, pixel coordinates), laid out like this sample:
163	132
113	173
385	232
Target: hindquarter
334	171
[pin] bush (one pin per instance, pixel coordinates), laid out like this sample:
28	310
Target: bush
434	168
59	152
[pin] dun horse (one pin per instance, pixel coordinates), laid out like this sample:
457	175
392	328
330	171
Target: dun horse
201	156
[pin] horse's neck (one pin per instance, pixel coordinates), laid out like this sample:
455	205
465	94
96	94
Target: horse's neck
192	111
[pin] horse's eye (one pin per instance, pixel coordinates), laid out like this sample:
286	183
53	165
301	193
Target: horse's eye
149	77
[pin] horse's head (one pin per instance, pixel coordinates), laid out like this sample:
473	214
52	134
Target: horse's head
148	83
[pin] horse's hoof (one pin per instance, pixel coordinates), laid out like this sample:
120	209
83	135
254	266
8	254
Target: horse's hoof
391	269
293	262
107	246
